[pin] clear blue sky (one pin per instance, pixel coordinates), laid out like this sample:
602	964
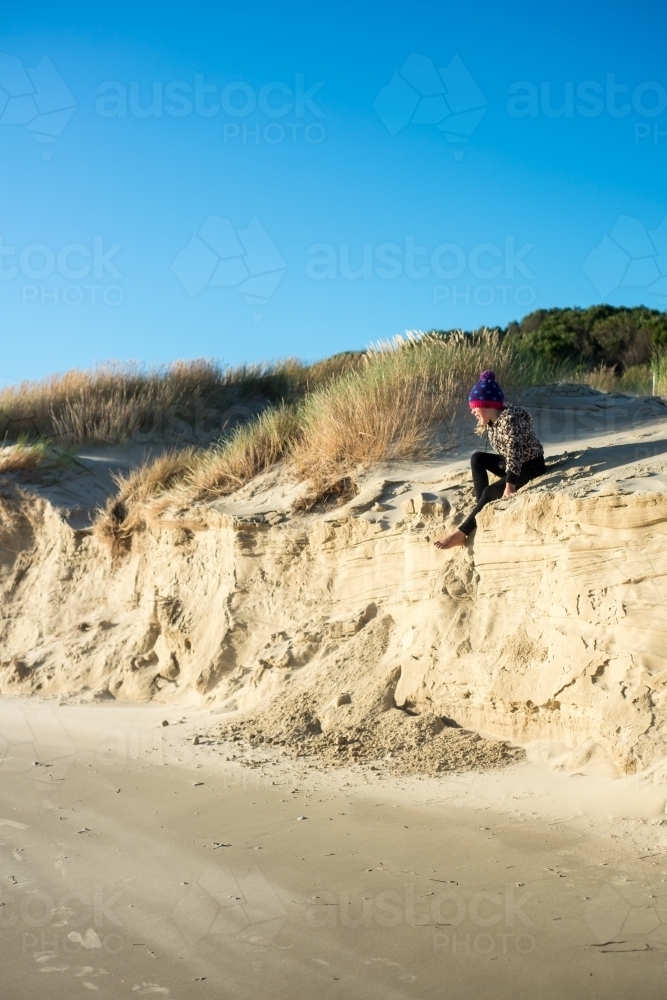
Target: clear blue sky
186	180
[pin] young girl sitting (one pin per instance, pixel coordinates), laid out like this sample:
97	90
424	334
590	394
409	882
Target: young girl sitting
519	458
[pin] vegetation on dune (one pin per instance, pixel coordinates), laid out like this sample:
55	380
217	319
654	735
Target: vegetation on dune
607	347
386	407
325	421
22	456
183	476
123	512
199	401
659	372
385	410
250	450
188	400
614	338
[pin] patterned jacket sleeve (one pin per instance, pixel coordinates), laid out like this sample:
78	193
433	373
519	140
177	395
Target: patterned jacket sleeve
513	457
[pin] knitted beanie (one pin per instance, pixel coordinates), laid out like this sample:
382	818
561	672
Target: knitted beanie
487	393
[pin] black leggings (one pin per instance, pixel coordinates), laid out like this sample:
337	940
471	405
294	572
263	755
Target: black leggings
481	464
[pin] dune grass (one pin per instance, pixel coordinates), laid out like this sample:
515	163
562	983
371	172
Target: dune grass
194	401
198	401
326	422
123	513
251	449
387	407
22	456
659	372
180	477
386	410
642	379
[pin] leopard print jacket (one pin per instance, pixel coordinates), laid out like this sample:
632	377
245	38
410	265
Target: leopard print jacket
512	435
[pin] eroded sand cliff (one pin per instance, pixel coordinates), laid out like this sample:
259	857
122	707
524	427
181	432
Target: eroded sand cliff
552	624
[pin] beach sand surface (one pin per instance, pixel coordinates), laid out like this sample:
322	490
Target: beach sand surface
136	863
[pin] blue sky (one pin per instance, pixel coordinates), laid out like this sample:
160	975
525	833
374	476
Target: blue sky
246	182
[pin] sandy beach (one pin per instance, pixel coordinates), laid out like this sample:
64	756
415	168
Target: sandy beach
137	863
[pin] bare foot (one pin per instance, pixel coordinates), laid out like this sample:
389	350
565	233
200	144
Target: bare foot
451	541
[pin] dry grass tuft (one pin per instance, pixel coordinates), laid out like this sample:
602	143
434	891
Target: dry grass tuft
643	379
128	510
182	477
386	411
659	372
188	400
250	450
22	457
603	378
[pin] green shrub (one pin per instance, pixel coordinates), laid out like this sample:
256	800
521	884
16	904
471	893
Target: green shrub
600	335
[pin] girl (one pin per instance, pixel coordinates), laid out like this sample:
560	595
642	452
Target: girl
520	455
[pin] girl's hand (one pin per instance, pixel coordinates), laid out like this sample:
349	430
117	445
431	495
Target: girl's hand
510	488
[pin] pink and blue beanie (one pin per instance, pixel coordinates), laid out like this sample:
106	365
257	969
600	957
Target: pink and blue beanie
487	393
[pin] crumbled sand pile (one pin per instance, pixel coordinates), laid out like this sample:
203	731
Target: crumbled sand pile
349	714
395	741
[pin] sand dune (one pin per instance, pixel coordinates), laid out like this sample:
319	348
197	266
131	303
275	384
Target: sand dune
549	626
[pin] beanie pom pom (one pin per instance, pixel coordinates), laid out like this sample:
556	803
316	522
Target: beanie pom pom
487	376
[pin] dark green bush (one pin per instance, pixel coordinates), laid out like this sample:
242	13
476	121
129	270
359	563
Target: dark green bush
600	335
